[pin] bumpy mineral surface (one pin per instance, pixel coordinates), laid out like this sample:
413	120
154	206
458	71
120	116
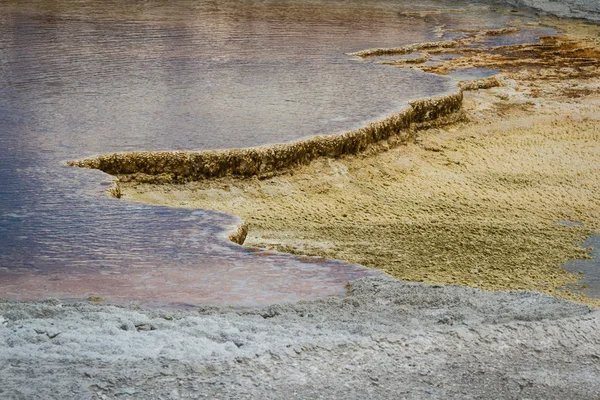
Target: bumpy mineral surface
385	340
184	166
574	51
476	202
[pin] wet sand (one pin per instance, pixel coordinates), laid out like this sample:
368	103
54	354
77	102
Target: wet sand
497	197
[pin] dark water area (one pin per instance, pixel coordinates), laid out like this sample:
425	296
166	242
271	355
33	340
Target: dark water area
80	78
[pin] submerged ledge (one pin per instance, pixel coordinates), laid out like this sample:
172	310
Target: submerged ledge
186	166
472	37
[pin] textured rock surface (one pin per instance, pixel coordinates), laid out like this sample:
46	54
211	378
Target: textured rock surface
180	166
386	339
588	9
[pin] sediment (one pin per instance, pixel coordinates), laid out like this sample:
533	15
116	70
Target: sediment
186	166
239	233
493	185
477	202
477	84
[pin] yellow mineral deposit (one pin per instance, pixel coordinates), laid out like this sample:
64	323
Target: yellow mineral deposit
432	194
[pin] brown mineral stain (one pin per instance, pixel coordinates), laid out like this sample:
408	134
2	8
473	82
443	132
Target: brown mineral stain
577	49
266	161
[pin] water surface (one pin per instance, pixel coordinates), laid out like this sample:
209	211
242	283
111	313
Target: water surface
80	78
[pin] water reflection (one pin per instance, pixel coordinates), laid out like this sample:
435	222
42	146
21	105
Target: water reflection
79	78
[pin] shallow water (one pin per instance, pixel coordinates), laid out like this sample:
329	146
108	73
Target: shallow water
588	269
79	78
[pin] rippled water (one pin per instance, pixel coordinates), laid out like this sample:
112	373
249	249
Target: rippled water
79	78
